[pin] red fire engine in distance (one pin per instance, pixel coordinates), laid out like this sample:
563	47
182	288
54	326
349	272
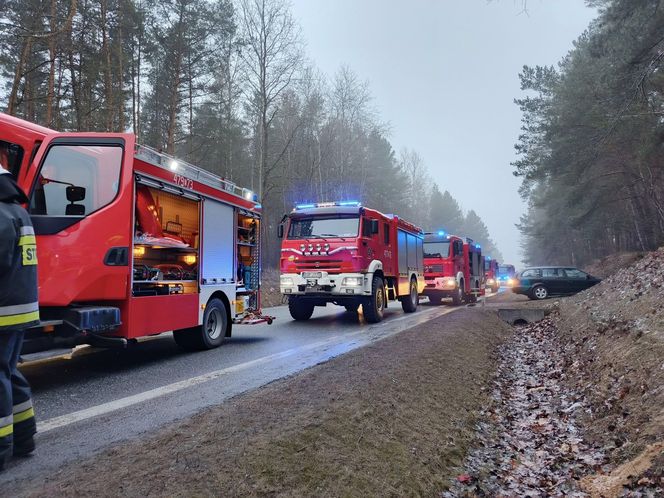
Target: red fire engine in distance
491	274
453	268
132	242
350	255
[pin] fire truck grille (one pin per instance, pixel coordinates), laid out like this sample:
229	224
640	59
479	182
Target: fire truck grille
435	268
322	265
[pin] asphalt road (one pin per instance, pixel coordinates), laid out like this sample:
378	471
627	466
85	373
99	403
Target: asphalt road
100	397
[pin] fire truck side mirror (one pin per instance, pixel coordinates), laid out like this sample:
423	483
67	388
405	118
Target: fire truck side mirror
374	227
280	231
75	194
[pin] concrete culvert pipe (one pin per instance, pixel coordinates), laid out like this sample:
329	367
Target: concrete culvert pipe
518	316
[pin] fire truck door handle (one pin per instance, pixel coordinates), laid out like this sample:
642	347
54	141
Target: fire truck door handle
364	243
117	256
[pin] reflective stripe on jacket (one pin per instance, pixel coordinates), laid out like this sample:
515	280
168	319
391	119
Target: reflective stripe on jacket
19	306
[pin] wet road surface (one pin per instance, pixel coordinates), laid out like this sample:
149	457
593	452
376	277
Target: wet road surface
99	397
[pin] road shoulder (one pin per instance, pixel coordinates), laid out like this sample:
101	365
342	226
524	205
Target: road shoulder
395	417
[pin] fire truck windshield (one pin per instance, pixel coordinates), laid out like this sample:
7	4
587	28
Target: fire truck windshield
506	271
323	227
436	249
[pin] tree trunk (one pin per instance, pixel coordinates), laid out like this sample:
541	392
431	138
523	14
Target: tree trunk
18	76
51	73
108	79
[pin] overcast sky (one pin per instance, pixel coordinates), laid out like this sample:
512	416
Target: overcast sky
444	74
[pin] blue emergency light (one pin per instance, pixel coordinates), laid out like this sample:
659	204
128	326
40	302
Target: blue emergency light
441	233
327	204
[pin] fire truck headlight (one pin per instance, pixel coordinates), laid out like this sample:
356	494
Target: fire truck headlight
490	281
509	282
450	282
286	281
351	282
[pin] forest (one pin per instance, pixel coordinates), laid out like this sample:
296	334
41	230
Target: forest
590	154
226	85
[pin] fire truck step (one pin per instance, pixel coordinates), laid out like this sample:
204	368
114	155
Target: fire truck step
46	355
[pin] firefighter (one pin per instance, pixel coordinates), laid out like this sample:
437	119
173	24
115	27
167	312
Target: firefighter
19	309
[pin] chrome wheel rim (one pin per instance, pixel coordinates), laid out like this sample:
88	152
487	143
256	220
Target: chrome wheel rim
540	293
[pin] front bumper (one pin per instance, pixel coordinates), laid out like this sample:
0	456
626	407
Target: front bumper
322	283
441	284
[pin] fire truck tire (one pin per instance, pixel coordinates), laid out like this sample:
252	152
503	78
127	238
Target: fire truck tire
457	298
374	306
409	303
300	309
210	334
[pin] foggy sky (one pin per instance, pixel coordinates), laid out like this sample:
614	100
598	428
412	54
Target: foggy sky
444	74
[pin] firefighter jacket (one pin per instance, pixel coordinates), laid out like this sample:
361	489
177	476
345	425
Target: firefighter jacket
19	307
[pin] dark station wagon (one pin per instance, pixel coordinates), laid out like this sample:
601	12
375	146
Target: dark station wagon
544	281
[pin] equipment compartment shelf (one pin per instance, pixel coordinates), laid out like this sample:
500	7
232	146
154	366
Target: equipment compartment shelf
247	244
163	282
173	248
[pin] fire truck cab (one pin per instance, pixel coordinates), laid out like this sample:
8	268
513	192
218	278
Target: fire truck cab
453	268
132	242
346	254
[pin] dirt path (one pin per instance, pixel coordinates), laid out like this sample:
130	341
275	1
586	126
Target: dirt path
392	419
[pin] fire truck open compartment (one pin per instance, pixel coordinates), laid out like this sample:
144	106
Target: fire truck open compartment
248	261
166	243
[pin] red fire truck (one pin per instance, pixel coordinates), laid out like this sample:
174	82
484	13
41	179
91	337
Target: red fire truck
491	274
453	267
344	253
132	242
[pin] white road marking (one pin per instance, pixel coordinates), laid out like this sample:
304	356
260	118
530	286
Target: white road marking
118	404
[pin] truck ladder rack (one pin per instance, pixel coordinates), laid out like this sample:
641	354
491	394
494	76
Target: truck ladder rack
187	170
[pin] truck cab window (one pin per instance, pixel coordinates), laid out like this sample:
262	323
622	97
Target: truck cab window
366	227
11	156
76	180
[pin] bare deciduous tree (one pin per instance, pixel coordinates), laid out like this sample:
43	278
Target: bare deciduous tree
272	57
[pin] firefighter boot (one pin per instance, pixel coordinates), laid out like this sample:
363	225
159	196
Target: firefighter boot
7	347
5	444
22	412
24	432
25	428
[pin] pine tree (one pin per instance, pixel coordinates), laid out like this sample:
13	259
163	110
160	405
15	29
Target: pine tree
445	214
474	228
